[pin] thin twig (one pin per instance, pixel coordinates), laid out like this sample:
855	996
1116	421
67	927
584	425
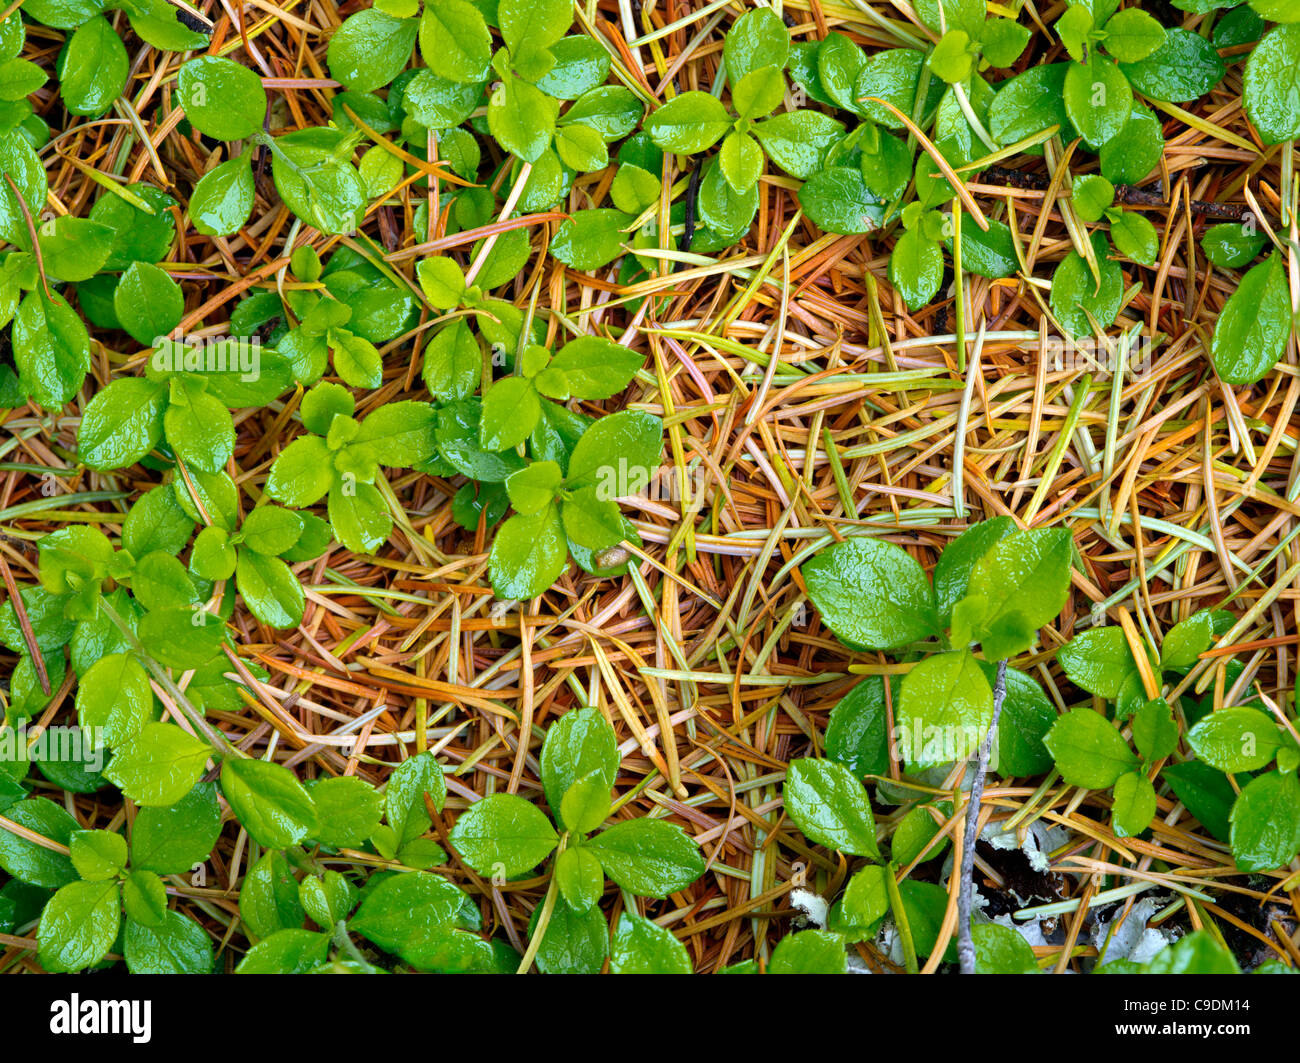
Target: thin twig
965	945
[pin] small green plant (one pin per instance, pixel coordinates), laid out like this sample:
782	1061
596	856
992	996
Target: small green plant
994	586
505	836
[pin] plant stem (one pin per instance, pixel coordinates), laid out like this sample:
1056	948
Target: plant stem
901	921
965	945
548	907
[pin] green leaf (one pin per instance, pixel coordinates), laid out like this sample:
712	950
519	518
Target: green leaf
92	68
642	947
944	709
1074	28
797	141
171	840
1003	41
634	189
319	186
1091	196
79	925
1001	950
1154	731
649	857
74	249
856	734
159	765
177	946
581	65
1075	294
591	521
809	952
953	569
148	303
19	78
453	363
29	861
1266	822
528	554
356	360
581	148
1187	640
866	897
585	805
1271	85
1135	238
51	349
758	93
302	473
1132	35
871	593
522	118
740	160
371	48
580	877
1089	751
359	517
145	898
916	268
511	408
688	124
1098	660
98	855
1206	792
612	110
347	811
1029	103
25	169
951	58
269	589
1134	804
503	834
114	698
618	453
181	638
1236	739
1232	244
1251	332
576	941
268	898
1098	99
725	210
198	426
534	487
539	23
578	743
829	805
838	200
404	795
221	98
757	39
893	75
439	103
271	530
138	235
269	802
1133	152
442	282
596	368
1184	68
294	951
839	62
